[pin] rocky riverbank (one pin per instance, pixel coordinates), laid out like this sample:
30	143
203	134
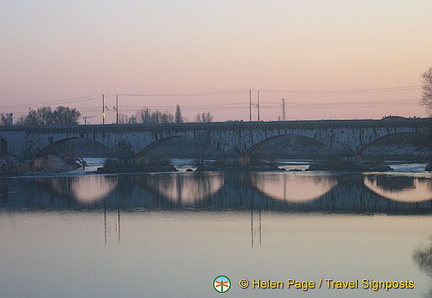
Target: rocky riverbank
131	166
54	164
347	166
10	165
218	167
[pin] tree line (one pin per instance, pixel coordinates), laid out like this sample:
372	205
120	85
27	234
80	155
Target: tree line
427	90
67	116
44	116
145	115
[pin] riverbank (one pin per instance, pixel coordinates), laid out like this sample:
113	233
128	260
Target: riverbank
112	166
56	165
9	165
346	166
50	164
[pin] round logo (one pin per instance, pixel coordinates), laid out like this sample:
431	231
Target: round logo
221	284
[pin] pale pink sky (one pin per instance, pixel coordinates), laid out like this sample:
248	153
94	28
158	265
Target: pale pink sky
52	51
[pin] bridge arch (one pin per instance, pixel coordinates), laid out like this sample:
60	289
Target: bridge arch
154	145
180	146
81	146
289	146
405	145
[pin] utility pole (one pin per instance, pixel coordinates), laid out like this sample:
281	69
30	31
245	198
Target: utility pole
103	108
250	105
116	108
85	119
258	106
283	109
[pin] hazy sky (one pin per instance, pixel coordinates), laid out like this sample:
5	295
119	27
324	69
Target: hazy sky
54	50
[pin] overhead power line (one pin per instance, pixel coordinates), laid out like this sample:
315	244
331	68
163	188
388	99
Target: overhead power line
211	93
238	100
69	100
387	89
183	94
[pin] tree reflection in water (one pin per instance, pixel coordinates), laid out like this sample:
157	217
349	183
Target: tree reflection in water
400	188
398	183
186	189
423	258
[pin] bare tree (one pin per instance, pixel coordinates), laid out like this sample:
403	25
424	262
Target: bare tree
427	90
125	119
6	119
145	115
204	117
423	258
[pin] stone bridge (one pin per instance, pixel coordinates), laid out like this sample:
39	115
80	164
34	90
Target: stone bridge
230	139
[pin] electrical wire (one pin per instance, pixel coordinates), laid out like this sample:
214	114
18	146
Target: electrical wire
184	94
386	89
69	100
239	104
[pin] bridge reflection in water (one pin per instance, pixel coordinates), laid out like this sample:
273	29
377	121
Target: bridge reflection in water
293	187
184	189
407	189
278	191
42	234
83	189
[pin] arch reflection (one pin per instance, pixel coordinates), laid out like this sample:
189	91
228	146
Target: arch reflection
407	189
86	189
293	187
185	188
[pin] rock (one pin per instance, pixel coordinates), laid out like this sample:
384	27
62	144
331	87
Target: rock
9	165
54	164
6	161
347	166
129	166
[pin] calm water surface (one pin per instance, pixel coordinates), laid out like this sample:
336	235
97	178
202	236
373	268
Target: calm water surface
171	234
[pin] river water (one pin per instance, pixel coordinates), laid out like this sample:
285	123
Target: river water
171	234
